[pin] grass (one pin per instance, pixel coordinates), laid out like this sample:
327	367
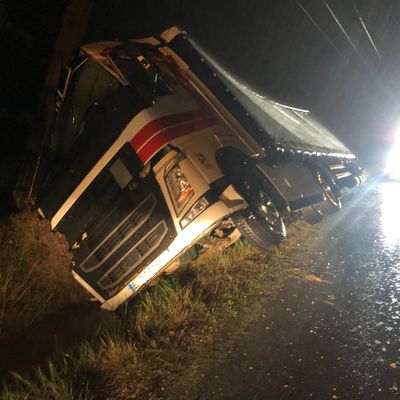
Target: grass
50	385
140	351
34	272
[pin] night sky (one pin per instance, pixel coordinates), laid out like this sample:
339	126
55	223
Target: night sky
295	51
312	54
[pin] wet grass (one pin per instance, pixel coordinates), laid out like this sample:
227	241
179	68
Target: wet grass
139	351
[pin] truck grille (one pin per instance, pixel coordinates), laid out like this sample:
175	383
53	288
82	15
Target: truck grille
121	236
133	253
117	226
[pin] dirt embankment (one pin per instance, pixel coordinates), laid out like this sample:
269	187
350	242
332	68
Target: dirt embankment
40	303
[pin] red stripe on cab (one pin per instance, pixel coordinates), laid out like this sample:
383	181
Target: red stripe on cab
161	123
171	133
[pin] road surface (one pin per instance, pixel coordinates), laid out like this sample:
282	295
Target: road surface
337	337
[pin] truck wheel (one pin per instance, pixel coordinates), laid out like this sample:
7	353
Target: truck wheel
332	202
328	208
259	234
260	223
312	215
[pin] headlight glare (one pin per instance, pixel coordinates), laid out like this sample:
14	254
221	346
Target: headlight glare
195	211
179	188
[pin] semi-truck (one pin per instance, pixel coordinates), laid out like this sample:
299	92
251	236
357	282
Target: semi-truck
155	147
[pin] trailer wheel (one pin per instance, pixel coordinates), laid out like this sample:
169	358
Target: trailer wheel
312	215
332	202
260	223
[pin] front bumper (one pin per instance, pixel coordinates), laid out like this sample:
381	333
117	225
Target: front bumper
198	228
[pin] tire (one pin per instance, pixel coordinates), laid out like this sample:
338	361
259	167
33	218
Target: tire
260	223
332	194
256	232
316	212
312	215
327	208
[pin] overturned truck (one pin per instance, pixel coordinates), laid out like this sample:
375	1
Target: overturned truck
155	147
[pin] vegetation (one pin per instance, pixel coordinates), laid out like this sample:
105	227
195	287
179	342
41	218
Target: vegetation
171	330
34	272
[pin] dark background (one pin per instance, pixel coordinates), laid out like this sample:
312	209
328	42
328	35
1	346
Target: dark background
271	45
276	49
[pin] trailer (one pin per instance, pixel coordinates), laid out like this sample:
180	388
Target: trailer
154	148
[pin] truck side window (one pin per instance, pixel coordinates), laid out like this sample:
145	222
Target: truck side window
89	86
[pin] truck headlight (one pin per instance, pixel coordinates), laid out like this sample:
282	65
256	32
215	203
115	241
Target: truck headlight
179	188
196	210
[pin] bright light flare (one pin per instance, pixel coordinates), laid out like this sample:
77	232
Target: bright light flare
392	170
390	213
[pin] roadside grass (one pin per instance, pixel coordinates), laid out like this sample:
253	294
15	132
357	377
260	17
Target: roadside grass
34	272
142	348
47	385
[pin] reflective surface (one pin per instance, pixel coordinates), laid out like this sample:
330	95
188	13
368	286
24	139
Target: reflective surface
390	214
336	337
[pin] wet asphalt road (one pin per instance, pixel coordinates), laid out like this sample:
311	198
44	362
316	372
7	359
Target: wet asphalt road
334	339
